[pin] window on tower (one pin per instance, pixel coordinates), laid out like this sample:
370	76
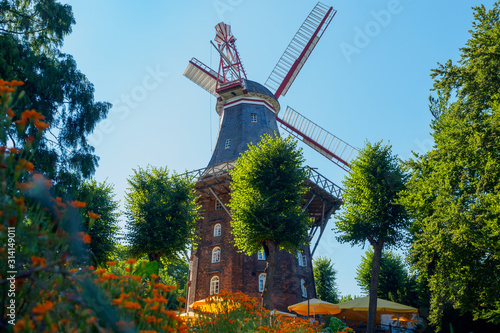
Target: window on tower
303	288
261	255
253	116
262	282
218	205
228	144
216	255
214	285
302	258
217	230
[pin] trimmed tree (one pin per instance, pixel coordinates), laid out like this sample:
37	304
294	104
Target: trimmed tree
161	210
103	231
324	279
268	187
453	193
371	212
393	275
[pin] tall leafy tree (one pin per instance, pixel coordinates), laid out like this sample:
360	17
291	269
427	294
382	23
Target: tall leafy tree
392	276
103	231
371	212
324	279
268	187
161	210
31	32
454	190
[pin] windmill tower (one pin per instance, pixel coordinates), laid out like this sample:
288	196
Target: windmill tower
248	110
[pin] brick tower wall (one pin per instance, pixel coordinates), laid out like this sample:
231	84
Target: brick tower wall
238	271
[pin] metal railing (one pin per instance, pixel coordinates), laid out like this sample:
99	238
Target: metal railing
216	171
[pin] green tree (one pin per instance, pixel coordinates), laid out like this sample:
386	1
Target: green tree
161	210
104	230
393	276
453	193
31	32
370	209
268	187
324	279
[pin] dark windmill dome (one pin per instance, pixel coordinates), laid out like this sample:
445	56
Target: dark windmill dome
246	114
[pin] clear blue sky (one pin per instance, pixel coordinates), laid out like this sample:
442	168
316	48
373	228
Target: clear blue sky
367	79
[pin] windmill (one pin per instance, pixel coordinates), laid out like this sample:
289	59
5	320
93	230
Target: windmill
248	110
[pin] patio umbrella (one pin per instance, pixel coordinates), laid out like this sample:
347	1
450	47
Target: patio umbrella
357	309
211	304
316	306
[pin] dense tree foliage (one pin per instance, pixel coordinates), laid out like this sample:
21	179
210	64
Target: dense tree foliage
103	231
453	194
324	279
392	275
395	283
268	187
371	211
31	31
161	211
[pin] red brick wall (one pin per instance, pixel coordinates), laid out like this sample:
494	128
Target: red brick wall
240	272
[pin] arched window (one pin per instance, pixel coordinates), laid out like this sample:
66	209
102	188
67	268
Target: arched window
261	255
253	117
303	288
217	230
216	254
262	282
302	258
214	285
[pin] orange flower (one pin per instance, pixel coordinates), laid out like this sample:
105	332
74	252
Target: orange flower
59	202
43	308
11	113
117	301
37	261
181	299
20	201
14	150
30	139
77	204
84	237
132	305
22	122
41	125
32	114
93	215
28	166
111	263
25	186
131	261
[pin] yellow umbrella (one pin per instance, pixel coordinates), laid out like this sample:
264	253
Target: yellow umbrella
316	306
212	304
357	309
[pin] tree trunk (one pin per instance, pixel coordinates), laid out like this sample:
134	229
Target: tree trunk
155	256
372	308
271	251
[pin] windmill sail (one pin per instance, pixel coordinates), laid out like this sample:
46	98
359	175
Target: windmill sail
299	49
202	75
318	138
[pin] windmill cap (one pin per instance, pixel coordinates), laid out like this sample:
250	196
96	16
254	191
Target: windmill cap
251	89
